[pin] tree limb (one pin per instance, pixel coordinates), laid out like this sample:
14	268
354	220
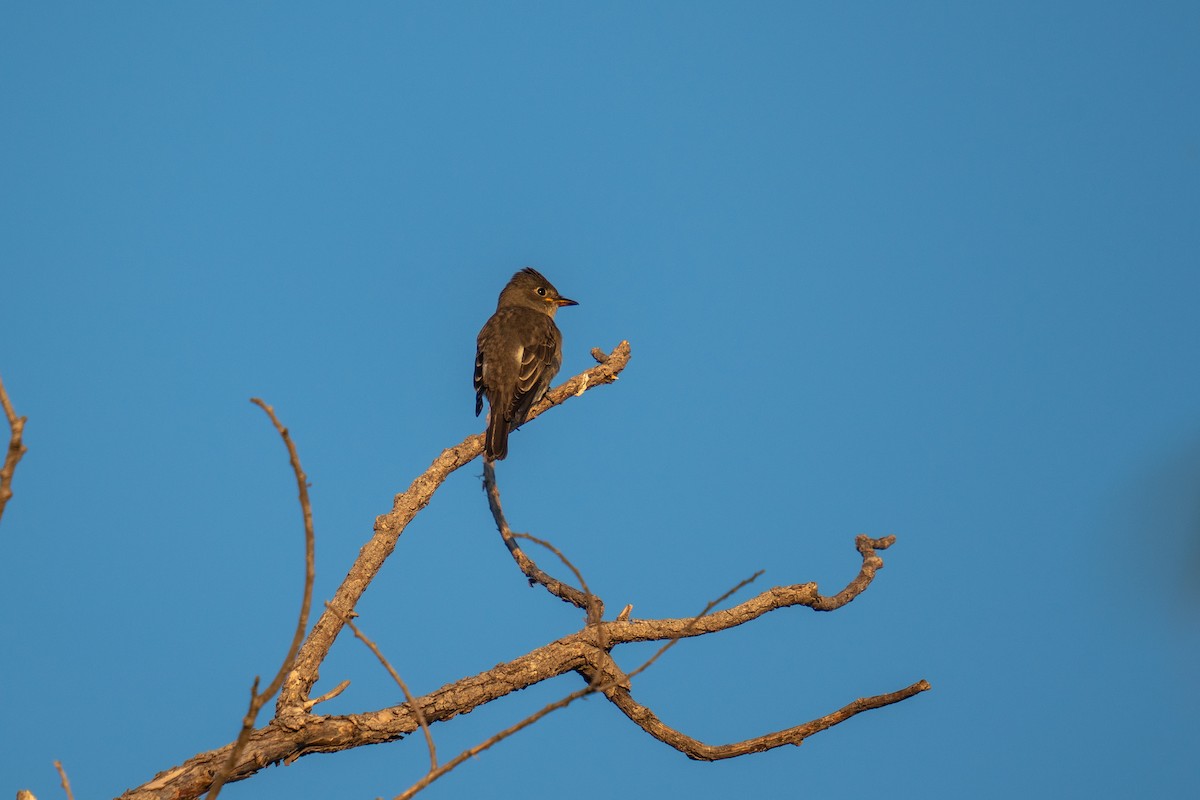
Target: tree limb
645	719
581	599
389	527
296	732
586	652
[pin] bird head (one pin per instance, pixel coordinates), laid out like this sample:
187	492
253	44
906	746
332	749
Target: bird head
530	289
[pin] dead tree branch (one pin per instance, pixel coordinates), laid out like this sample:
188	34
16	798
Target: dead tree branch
16	448
581	599
620	695
66	783
389	527
296	732
584	652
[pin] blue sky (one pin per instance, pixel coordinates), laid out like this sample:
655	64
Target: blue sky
928	270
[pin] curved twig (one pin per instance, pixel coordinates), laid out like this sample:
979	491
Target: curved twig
801	594
645	719
258	699
581	599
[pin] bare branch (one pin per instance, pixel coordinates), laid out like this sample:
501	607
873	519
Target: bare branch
16	448
581	599
583	652
599	680
389	527
594	678
296	732
617	685
257	699
280	742
66	783
433	763
802	594
866	546
645	719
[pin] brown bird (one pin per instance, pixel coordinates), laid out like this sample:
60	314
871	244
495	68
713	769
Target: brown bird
518	352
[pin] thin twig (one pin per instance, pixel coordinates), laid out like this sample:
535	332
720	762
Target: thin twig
412	702
582	599
332	693
492	740
691	625
16	448
561	557
66	784
257	699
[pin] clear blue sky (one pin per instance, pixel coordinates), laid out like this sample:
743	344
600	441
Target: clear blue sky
928	269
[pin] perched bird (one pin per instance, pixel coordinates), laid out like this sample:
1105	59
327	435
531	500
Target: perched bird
517	353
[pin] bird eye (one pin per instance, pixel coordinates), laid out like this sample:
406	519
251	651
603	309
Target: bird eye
541	290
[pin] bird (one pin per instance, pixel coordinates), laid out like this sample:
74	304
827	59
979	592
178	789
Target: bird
518	352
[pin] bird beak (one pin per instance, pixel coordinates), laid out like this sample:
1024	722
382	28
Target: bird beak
562	301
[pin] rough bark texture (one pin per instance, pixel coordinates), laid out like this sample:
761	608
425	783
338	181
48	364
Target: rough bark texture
585	652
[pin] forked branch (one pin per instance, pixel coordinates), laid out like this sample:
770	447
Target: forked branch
389	527
584	652
296	731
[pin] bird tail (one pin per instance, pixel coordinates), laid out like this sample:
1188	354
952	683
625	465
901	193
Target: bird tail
495	441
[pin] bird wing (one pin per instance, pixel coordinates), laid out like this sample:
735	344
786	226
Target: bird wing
540	359
478	380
